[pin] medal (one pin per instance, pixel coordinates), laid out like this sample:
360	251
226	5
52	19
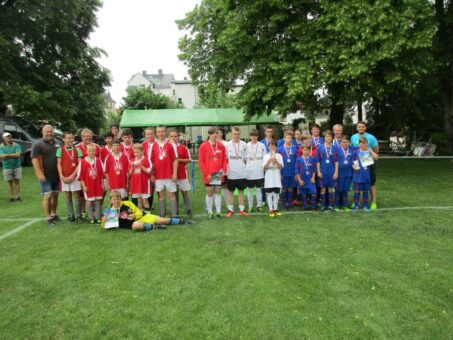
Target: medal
73	164
236	151
214	151
288	154
306	166
126	151
93	171
288	160
117	163
215	158
71	155
315	140
161	157
327	161
118	172
307	172
328	153
346	162
346	153
161	151
254	152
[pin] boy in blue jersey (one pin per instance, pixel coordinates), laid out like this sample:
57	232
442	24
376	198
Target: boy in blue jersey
327	164
316	139
281	141
343	186
289	155
362	159
305	176
269	136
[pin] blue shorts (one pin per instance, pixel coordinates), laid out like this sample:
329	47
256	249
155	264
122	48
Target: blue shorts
49	186
362	186
288	182
326	182
309	189
344	184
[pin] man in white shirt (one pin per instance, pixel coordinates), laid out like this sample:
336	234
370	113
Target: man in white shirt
255	171
237	171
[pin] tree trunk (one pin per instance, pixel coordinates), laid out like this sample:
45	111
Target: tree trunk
337	108
444	52
359	109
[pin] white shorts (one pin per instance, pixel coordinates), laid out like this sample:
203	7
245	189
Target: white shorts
168	184
74	186
92	199
12	174
183	184
140	195
122	191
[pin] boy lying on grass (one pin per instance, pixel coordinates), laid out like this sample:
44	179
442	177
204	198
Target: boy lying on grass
130	217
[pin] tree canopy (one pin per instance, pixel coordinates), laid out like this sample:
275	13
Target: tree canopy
143	98
287	52
47	68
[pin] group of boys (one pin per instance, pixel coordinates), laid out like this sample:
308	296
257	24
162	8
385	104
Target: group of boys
299	169
87	171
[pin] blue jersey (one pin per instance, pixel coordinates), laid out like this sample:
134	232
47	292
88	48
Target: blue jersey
363	174
326	156
344	158
281	142
298	145
336	143
266	145
317	141
305	168
289	156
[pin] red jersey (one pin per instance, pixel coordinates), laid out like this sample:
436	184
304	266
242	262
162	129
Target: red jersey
105	151
92	175
182	153
116	168
140	180
212	158
83	149
127	151
147	148
69	159
162	158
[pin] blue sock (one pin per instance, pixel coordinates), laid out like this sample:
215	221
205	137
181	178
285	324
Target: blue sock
323	200
345	199
289	197
365	199
330	195
148	227
304	201
357	199
337	198
313	201
283	197
175	220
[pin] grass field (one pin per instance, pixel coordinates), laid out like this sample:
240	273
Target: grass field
387	274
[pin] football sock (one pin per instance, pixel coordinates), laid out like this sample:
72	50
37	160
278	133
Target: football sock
345	199
209	200
186	198
69	207
276	196
177	202
97	207
226	195
148	227
283	197
89	208
250	198
289	197
269	197
323	200
150	201
330	195
304	201
218	203
357	198
241	207
365	199
173	208
337	198
313	201
230	207
162	211
259	197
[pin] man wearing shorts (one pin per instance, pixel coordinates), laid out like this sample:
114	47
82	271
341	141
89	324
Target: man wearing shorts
236	150
44	160
165	168
12	170
374	146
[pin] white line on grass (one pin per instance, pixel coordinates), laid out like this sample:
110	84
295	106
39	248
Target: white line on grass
18	229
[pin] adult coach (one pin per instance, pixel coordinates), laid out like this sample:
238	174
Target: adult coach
44	160
12	170
373	145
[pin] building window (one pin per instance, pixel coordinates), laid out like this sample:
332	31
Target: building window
179	100
174	92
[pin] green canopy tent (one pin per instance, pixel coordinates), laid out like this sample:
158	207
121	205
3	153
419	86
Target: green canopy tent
190	117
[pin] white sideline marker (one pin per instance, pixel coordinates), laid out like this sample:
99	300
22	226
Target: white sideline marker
19	229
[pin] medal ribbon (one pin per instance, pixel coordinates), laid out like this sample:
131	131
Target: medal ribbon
71	155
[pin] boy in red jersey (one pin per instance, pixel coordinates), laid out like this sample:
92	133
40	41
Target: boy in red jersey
116	167
182	181
165	168
148	145
91	176
68	159
107	148
212	159
126	145
139	174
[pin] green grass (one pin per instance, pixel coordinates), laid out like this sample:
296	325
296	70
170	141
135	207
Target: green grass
382	275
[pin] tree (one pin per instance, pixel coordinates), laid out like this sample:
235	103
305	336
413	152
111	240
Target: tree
47	69
285	51
143	98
